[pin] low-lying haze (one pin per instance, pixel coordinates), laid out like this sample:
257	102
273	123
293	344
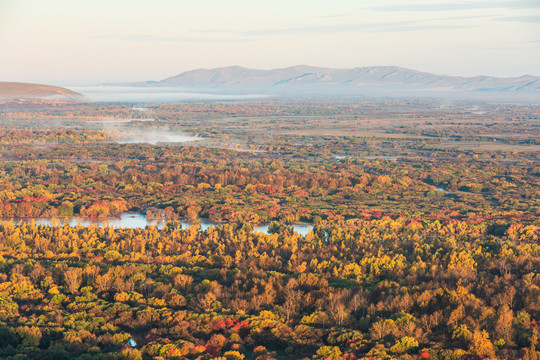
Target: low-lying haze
153	137
162	94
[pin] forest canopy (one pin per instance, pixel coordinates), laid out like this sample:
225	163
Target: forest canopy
425	239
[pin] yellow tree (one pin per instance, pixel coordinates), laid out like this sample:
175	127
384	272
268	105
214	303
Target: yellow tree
481	345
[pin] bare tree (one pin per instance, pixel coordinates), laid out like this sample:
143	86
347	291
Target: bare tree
292	302
359	300
337	308
504	267
73	279
429	322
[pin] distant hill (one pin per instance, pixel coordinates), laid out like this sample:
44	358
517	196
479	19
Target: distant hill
17	90
373	78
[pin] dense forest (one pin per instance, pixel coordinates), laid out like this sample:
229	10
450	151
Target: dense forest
425	242
366	288
100	179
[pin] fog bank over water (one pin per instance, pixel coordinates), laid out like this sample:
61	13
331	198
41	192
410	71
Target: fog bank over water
154	137
132	131
155	94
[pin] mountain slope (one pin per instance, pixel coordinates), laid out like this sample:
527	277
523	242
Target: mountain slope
317	78
17	90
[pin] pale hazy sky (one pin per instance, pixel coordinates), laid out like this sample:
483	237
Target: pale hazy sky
93	41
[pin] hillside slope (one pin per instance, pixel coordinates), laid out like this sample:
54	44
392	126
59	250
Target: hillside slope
17	90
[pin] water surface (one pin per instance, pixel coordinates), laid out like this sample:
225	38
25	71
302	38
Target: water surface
139	221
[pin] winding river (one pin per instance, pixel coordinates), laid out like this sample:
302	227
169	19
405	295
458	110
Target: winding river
139	221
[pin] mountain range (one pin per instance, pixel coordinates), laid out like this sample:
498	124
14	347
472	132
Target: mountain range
372	78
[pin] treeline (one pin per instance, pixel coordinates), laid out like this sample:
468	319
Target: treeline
222	185
357	289
46	138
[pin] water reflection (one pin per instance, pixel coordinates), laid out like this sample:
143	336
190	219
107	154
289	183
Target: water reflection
442	189
374	157
139	221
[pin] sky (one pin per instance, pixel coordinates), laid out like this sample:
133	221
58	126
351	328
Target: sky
83	42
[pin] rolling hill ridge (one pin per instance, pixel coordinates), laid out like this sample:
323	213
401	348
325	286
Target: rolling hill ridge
18	90
318	78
